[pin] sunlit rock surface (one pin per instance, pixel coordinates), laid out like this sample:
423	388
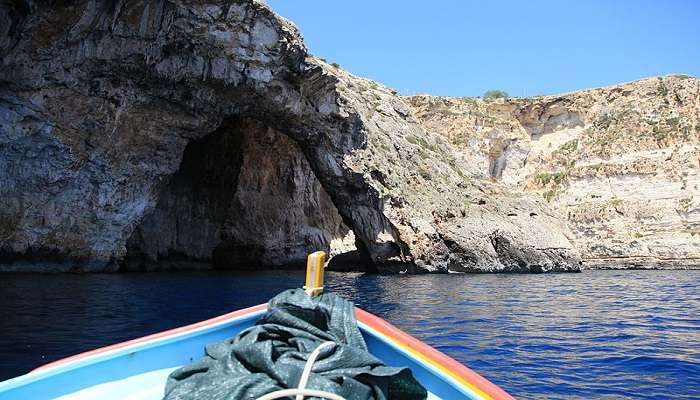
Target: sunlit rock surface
620	164
143	135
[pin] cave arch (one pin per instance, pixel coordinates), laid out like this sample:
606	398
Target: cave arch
243	197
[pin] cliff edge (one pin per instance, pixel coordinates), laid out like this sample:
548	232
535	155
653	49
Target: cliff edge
621	164
136	134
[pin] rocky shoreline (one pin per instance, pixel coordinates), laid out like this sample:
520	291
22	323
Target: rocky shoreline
632	263
151	136
620	164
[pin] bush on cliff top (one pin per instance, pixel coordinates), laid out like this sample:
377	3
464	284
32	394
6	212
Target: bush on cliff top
495	94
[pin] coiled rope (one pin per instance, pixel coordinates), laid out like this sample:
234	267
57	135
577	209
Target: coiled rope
300	391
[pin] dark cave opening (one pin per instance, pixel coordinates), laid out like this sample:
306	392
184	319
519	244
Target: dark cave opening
244	197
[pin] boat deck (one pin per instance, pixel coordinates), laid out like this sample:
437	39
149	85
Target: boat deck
138	369
146	386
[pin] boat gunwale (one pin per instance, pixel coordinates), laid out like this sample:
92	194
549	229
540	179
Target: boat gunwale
157	337
436	361
129	346
451	370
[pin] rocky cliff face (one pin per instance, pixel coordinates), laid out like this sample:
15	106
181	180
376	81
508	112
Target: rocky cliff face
134	134
244	196
620	164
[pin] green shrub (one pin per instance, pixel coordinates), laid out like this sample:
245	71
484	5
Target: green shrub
604	121
424	173
419	141
545	178
681	76
495	94
662	90
567	148
658	133
550	194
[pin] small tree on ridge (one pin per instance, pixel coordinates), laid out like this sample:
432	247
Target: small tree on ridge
495	94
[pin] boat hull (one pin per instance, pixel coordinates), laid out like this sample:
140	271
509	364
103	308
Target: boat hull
137	369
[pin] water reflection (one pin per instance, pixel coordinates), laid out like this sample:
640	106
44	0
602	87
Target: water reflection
599	334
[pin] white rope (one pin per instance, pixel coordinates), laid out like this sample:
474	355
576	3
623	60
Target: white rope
301	390
309	364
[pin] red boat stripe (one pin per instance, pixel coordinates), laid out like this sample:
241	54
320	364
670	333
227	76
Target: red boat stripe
437	357
395	334
160	335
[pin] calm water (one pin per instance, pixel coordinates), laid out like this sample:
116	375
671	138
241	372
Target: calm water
598	334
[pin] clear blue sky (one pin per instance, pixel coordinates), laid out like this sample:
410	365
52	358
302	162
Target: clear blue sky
463	48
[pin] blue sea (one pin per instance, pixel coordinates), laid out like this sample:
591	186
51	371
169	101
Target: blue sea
593	335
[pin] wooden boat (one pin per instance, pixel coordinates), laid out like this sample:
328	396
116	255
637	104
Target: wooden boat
138	369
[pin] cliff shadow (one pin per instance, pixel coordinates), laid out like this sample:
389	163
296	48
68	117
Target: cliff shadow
244	197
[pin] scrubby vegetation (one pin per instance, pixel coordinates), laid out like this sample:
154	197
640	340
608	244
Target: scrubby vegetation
566	149
495	94
629	125
424	173
662	90
616	203
684	204
569	147
545	178
550	195
419	141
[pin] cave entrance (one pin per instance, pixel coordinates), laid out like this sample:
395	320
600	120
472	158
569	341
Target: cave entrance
244	197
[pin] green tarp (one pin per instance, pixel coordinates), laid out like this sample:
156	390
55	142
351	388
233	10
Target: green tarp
271	355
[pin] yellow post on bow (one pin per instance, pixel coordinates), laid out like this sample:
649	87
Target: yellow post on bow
315	264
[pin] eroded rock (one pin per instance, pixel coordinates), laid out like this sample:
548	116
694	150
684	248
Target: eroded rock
100	102
621	164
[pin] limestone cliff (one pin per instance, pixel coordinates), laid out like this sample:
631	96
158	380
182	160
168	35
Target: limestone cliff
621	164
134	134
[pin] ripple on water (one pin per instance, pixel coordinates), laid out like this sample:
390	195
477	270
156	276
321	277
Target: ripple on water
598	334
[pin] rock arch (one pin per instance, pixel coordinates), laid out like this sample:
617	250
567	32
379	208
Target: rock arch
243	197
99	101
